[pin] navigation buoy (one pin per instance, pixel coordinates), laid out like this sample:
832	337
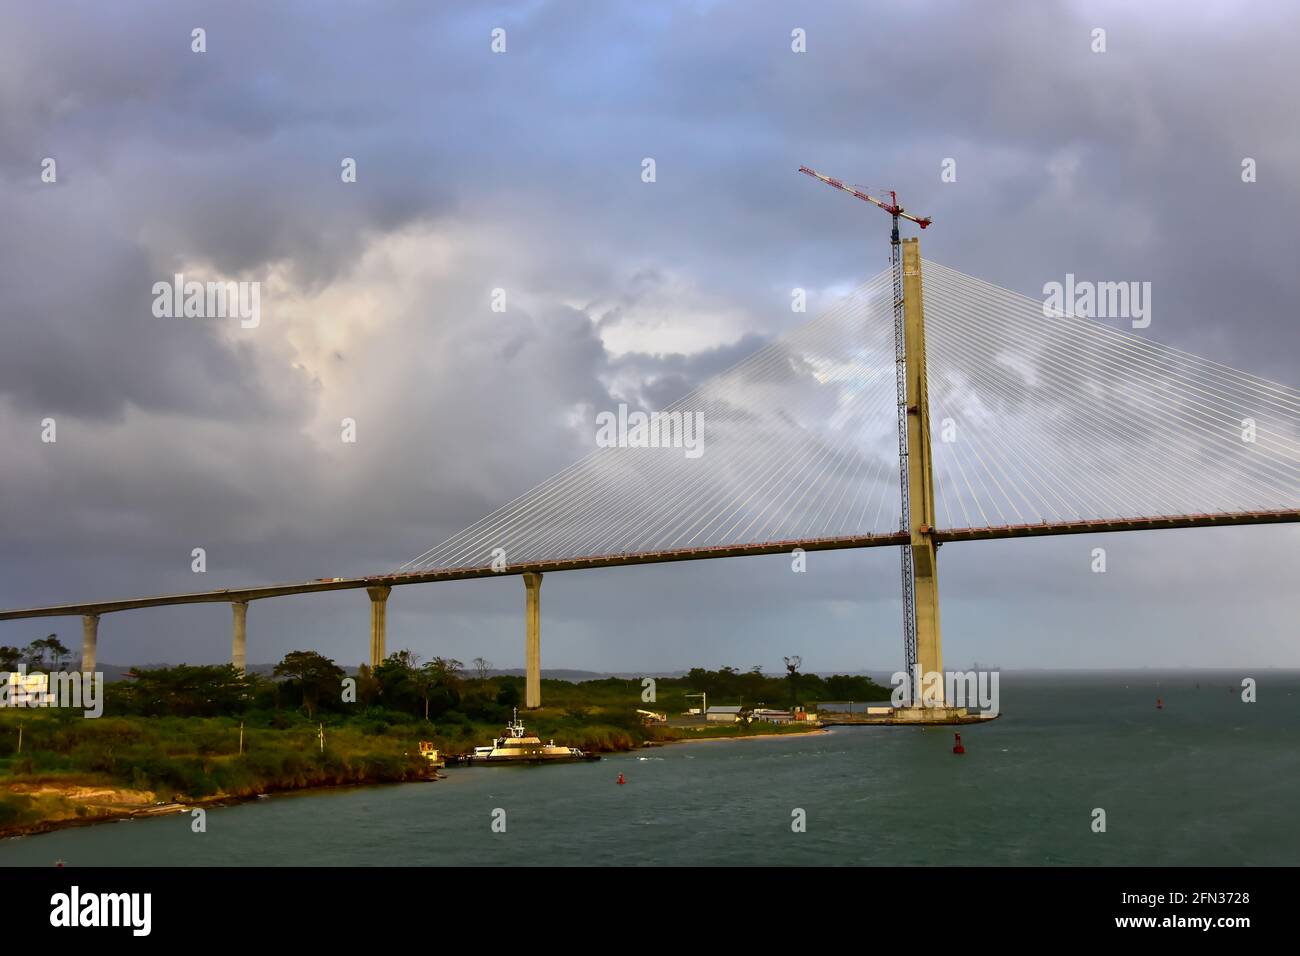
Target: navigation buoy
620	779
957	748
1160	704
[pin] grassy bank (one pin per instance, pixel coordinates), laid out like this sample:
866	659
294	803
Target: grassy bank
73	770
172	735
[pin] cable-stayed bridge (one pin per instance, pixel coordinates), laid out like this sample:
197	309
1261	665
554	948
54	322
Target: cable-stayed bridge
1041	426
1015	423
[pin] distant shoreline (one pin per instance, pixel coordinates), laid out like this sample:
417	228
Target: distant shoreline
719	739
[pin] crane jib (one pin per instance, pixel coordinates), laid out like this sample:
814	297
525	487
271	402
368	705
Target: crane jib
892	208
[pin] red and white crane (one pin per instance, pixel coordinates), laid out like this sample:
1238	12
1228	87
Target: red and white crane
892	207
900	365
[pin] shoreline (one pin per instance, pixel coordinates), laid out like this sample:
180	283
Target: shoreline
40	827
172	809
721	738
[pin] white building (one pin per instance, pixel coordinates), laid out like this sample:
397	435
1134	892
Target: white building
725	715
27	690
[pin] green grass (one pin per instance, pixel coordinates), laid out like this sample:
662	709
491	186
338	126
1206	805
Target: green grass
184	759
187	759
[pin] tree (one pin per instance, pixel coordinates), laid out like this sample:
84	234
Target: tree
312	675
792	665
508	695
439	680
430	690
368	687
854	687
398	687
185	691
426	680
481	668
50	648
448	669
10	658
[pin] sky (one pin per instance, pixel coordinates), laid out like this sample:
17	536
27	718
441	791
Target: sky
523	171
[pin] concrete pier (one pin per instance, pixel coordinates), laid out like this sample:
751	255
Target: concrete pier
89	643
378	623
533	639
892	716
239	636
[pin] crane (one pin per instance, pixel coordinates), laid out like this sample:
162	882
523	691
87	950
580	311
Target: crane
892	207
908	571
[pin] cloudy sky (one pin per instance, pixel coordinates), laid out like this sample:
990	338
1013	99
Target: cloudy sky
522	170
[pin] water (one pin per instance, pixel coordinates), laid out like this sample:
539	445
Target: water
1209	780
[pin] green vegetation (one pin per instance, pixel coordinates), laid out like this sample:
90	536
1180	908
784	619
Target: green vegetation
46	653
189	733
73	767
754	688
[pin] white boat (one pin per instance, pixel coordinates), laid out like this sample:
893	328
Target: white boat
517	745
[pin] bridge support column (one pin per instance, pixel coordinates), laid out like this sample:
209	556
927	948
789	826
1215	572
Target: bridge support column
929	653
89	643
239	636
533	640
378	623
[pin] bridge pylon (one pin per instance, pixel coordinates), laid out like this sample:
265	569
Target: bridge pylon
929	706
239	636
89	643
533	639
378	623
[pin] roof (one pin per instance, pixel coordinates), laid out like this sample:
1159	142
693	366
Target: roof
723	710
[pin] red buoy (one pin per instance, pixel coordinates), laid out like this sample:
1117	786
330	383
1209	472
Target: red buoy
620	779
957	748
1160	704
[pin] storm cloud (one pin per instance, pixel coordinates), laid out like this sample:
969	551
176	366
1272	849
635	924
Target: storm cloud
522	171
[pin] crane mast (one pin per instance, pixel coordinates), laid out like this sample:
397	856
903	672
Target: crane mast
905	504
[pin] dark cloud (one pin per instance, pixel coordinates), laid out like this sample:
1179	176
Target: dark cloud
522	172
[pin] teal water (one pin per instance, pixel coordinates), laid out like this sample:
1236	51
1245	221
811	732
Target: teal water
1209	780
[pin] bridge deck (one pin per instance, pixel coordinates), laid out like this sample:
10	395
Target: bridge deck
656	557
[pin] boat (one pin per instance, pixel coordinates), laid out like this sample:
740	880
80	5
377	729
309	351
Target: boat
517	746
430	753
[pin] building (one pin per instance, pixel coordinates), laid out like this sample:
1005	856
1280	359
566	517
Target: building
723	715
27	690
771	716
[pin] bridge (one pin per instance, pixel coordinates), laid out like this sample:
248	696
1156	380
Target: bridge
1047	423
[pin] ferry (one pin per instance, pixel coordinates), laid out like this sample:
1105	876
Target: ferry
517	746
